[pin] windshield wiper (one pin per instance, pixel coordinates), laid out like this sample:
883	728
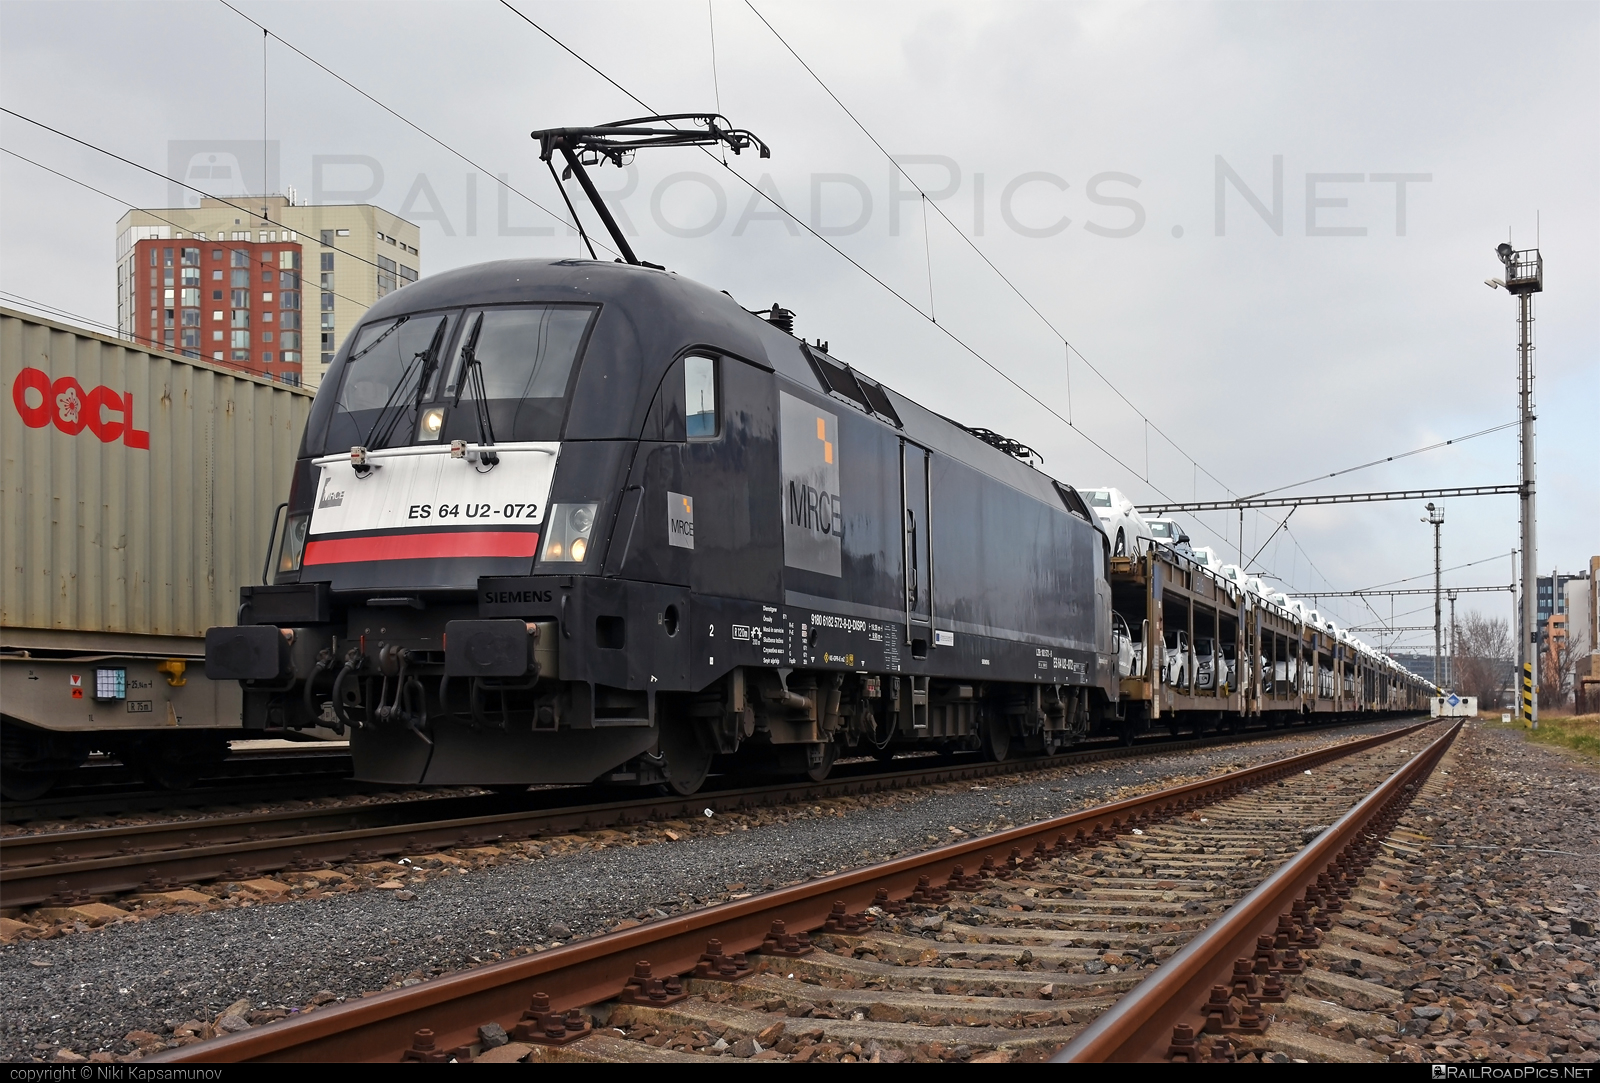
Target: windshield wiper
472	371
381	433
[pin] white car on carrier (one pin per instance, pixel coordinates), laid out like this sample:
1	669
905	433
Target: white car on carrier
1123	524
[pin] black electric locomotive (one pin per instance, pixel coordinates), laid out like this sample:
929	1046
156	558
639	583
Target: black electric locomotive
567	520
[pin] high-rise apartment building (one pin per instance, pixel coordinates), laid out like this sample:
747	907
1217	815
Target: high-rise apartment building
235	302
349	256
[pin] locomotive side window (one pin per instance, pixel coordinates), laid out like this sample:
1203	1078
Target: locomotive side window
700	397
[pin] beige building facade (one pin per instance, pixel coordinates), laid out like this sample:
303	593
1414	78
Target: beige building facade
351	256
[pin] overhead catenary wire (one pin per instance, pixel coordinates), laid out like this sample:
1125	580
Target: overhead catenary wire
408	122
896	294
57	312
1070	347
974	247
1386	459
226	245
716	84
1429	575
1067	344
87	321
1274	534
171	180
907	302
1015	289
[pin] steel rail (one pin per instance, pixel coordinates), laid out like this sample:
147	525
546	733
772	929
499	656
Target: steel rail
102	788
61	865
1139	1027
382	1027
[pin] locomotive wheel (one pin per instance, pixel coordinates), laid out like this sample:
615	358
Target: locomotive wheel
996	740
687	763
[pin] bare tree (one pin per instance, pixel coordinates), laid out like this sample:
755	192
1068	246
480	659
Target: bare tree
1483	659
1557	673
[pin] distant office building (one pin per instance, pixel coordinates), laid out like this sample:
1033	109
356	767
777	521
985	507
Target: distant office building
348	257
1552	597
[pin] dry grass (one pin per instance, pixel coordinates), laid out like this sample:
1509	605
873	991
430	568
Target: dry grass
1581	733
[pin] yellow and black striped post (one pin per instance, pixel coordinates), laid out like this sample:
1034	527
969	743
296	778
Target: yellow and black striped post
1527	696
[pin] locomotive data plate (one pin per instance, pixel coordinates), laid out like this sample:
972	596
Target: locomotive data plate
426	488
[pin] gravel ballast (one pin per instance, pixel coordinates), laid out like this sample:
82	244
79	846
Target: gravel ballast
145	982
1502	905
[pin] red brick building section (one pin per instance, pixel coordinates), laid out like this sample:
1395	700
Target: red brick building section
236	303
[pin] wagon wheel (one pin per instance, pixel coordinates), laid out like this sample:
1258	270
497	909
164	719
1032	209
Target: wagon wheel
996	740
687	762
26	785
817	773
177	764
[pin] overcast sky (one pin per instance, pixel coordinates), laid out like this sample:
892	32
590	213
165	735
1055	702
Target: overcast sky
1078	146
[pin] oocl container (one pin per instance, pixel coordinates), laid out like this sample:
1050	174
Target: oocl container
138	491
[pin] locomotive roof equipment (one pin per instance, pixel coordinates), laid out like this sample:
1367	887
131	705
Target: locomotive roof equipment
616	143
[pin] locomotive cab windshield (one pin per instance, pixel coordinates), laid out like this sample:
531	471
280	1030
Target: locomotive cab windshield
524	354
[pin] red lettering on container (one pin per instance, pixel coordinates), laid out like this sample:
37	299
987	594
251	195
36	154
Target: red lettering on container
132	437
71	409
31	379
103	398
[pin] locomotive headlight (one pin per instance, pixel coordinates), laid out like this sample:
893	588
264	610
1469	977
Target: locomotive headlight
294	543
432	424
568	527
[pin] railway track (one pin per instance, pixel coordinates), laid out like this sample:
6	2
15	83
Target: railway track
61	868
107	787
1106	932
